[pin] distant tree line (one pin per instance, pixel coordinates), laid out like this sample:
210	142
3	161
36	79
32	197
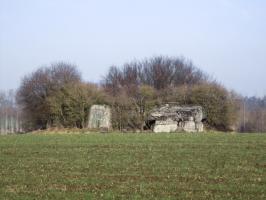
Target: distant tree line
253	114
56	96
10	116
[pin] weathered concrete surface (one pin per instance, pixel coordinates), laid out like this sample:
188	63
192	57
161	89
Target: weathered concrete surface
165	126
176	118
190	125
199	127
100	117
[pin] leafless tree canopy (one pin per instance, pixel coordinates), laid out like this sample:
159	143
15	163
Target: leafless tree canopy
252	114
158	72
10	116
37	87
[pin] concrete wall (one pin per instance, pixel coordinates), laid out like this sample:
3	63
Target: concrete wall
100	117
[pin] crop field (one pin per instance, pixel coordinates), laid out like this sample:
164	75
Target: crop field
133	166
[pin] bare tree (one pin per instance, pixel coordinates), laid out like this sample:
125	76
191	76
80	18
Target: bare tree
38	87
253	114
158	72
10	121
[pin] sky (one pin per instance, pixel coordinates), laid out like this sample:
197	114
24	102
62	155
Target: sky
224	38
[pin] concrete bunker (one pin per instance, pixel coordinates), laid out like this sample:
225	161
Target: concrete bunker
171	118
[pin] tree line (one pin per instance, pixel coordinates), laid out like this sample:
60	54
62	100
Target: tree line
10	118
56	96
253	114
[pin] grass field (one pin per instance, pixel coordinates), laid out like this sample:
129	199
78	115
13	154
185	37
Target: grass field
133	166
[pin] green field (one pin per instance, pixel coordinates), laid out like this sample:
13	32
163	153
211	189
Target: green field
133	166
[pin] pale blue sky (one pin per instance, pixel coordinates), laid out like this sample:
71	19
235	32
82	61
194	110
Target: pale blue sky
225	38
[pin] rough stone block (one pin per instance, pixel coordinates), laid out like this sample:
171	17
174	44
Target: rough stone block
100	117
165	126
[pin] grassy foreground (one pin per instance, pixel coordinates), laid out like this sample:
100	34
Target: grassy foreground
133	166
